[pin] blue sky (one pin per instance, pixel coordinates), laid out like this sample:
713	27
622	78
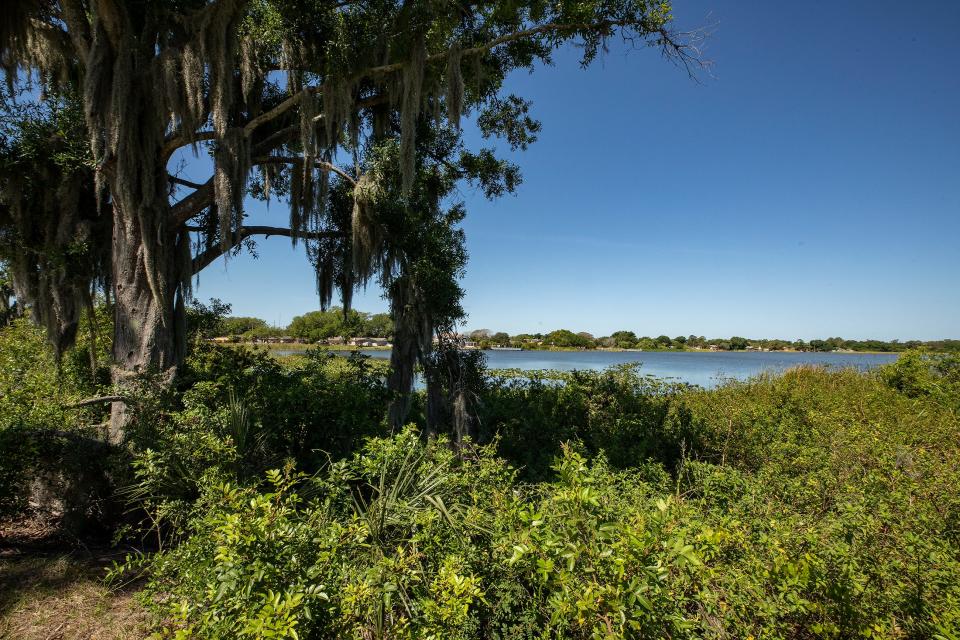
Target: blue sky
808	187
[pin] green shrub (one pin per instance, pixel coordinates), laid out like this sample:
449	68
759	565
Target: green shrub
240	413
382	544
812	504
630	417
918	373
307	407
42	439
598	505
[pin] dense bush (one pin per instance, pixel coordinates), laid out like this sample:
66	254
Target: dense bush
240	412
49	455
629	416
597	505
306	407
922	374
812	504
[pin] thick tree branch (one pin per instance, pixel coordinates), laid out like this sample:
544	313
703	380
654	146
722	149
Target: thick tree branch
75	17
204	259
202	197
323	166
668	42
100	400
193	203
185	183
175	141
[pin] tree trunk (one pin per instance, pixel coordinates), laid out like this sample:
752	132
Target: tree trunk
144	340
146	257
436	408
403	360
412	335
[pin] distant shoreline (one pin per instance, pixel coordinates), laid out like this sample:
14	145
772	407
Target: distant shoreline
301	346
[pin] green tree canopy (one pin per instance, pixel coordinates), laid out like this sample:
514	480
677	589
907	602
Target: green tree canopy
350	323
240	325
567	338
624	339
349	111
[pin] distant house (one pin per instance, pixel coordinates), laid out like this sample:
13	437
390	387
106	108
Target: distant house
714	347
368	342
458	338
335	340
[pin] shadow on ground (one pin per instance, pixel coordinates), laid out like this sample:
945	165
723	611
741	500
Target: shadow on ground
52	591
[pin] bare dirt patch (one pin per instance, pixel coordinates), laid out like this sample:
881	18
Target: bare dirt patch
49	591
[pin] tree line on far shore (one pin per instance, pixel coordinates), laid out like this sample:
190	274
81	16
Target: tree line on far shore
564	338
317	326
313	326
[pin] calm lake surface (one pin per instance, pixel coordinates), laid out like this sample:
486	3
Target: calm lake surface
704	368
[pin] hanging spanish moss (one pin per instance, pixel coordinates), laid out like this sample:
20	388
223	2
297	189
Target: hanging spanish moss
454	86
28	45
338	108
191	112
326	271
412	341
251	74
53	238
267	174
381	121
230	173
318	213
217	26
289	60
181	77
367	234
413	74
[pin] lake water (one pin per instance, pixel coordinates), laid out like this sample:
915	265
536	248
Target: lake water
704	368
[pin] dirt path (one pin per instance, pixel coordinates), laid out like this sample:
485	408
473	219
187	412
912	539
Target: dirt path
52	592
62	597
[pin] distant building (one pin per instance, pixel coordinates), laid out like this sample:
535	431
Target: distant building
458	338
275	340
369	342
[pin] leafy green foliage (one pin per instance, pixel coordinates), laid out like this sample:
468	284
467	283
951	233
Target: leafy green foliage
240	413
922	374
381	545
49	452
29	391
606	505
319	325
567	338
629	416
207	320
54	238
239	325
813	504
